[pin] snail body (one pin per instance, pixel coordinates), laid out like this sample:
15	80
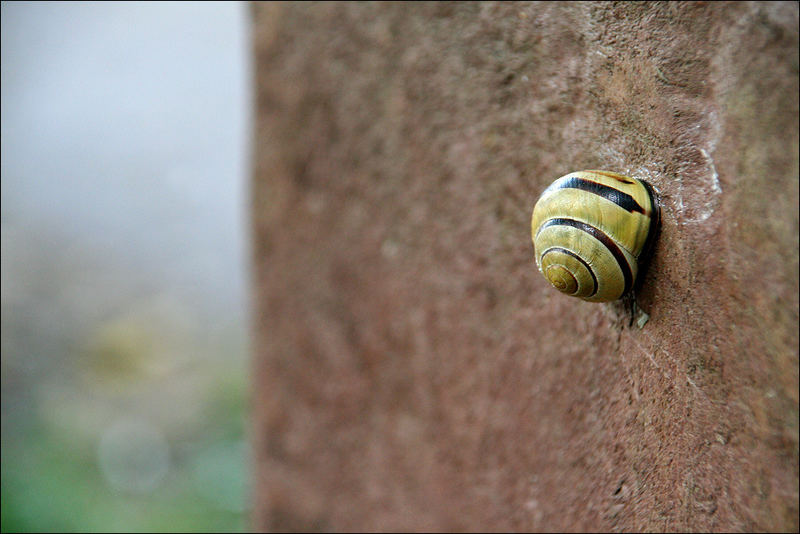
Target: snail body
591	231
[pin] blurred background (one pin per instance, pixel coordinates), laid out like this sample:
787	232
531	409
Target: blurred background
124	312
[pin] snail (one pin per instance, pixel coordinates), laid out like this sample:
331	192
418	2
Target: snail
592	231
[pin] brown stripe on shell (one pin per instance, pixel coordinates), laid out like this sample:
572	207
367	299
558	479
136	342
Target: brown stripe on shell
620	198
617	177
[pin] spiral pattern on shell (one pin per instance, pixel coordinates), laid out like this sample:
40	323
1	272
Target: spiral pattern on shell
590	230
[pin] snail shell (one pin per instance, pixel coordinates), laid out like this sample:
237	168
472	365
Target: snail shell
591	230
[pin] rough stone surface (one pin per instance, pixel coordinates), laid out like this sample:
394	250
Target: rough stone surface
413	370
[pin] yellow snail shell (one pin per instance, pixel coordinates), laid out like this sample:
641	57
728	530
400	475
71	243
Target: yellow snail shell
591	230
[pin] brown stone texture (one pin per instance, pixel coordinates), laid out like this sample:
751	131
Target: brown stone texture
412	368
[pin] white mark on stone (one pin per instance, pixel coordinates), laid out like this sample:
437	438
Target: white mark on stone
706	209
650	357
691	382
672	359
698	197
714	174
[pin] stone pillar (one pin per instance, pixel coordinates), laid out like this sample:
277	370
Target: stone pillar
412	368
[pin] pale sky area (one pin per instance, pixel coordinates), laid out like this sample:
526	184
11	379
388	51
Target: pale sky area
124	129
